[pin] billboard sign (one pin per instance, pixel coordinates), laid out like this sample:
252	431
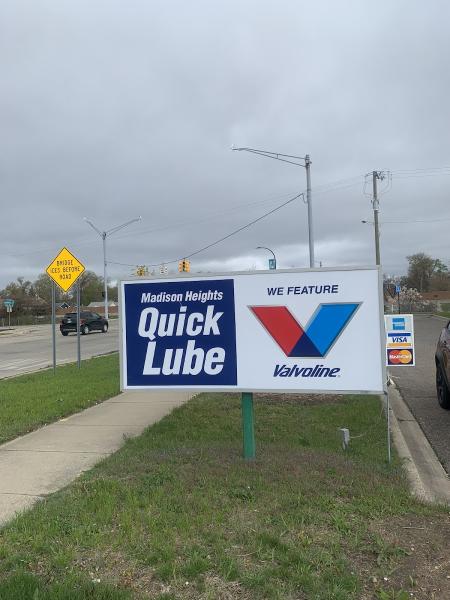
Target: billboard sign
399	340
286	330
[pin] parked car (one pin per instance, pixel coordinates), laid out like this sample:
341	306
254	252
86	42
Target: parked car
442	358
89	321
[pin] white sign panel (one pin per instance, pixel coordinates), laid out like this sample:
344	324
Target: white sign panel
292	331
399	340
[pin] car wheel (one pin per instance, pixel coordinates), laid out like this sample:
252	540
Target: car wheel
105	328
84	330
443	393
64	333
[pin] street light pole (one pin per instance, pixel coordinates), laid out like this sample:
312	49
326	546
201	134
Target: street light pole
309	203
105	279
104	235
307	166
273	254
376	209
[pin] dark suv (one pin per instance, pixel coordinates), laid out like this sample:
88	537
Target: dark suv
89	321
442	358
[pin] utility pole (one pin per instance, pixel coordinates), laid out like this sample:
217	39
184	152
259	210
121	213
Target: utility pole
376	208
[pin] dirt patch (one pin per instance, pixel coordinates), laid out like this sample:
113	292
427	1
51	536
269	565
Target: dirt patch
412	554
116	569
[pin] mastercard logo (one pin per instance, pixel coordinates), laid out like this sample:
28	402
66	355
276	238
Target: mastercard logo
400	357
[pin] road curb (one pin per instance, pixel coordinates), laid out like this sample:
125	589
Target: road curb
427	478
13	331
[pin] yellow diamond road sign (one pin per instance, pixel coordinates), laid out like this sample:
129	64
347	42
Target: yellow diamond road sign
65	269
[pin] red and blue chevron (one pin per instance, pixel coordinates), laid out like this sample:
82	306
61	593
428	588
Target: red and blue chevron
319	335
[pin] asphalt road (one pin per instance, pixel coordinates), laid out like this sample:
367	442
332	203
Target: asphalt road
417	387
30	348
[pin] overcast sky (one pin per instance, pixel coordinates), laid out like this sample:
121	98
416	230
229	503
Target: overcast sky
112	109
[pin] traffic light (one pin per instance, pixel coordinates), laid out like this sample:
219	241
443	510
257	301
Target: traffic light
141	271
184	266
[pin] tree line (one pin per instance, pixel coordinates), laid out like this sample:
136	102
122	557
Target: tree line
425	274
35	297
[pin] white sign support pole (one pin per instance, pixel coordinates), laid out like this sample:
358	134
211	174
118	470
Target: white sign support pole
54	324
388	419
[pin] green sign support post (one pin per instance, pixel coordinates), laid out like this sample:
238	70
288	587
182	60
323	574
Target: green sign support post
248	426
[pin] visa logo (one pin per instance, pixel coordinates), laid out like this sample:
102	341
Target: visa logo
399	337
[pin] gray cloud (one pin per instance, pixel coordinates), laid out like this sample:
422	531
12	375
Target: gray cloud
113	110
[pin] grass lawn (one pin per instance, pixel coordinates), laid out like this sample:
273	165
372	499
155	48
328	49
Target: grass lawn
177	514
30	401
443	314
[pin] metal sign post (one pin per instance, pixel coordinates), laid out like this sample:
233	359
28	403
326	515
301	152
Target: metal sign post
65	269
8	304
54	324
79	327
388	418
398	289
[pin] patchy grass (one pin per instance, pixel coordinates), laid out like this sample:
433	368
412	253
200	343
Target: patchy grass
30	401
177	514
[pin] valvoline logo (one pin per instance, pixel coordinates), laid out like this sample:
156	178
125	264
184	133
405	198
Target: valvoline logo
314	340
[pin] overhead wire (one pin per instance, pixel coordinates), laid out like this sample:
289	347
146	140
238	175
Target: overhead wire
417	221
318	190
218	241
230	210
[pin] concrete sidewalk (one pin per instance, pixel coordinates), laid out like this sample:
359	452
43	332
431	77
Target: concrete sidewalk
48	459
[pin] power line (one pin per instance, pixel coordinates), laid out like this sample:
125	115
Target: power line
420	221
426	170
211	217
222	239
231	210
417	173
321	189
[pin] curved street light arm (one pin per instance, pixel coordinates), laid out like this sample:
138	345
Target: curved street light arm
274	155
265	248
118	227
89	222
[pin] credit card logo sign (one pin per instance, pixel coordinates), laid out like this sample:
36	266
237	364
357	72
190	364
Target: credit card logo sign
398	324
400	357
314	340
